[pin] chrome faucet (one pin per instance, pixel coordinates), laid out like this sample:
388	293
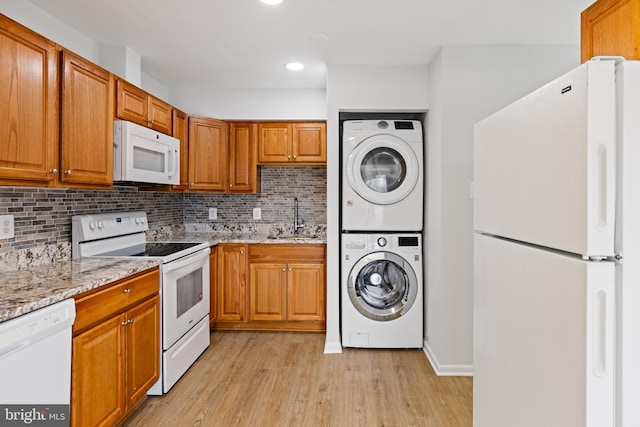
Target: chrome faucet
297	221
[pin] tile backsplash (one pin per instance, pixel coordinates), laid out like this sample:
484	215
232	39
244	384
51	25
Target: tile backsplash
280	185
43	215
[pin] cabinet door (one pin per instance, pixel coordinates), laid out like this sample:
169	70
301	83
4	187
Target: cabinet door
213	291
611	27
131	103
97	393
142	349
232	277
309	142
207	154
181	131
306	292
159	115
242	157
267	291
274	142
28	105
86	156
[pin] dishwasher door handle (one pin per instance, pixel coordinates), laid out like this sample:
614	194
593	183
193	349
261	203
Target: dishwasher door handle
10	349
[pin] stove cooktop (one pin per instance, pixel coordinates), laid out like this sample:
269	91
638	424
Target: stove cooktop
152	249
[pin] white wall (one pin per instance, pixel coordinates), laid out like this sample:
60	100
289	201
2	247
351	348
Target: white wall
466	84
41	22
255	104
367	89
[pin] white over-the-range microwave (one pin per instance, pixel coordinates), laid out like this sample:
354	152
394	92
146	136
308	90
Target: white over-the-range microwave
144	155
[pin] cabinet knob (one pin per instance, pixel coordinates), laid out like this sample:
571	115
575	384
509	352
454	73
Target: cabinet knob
294	157
127	291
289	157
241	252
67	172
53	171
284	269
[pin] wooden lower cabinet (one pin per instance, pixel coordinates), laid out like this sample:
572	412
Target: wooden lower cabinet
232	278
116	351
286	289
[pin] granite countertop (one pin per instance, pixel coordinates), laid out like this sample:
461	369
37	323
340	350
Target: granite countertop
29	289
213	238
36	284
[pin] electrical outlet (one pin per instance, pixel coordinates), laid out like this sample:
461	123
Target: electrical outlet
213	213
257	213
6	227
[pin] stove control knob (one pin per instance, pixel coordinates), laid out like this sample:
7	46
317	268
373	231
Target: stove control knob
138	220
92	225
382	242
100	225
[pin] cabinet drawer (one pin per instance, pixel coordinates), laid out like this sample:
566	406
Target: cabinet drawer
115	298
284	252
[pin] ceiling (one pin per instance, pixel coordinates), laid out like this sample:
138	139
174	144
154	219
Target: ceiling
245	44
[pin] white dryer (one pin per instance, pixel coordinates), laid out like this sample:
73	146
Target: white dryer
382	175
382	290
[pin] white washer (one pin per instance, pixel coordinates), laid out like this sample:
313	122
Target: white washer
382	175
382	290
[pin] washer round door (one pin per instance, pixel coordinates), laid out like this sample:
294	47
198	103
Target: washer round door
382	286
382	169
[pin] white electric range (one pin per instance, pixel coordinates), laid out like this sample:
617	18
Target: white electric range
184	283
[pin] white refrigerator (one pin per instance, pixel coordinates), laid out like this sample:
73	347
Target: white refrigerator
557	254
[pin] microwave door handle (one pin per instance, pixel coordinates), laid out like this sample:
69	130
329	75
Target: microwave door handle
173	164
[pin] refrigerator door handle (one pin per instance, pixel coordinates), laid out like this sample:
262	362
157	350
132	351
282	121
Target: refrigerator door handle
600	321
602	188
600	313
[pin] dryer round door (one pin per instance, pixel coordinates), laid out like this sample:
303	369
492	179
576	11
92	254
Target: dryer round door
382	286
382	169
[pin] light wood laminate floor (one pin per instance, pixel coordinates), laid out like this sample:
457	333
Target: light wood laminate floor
284	379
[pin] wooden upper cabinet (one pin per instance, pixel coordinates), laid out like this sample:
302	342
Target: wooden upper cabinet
136	105
292	143
86	131
611	28
181	131
207	154
309	142
243	166
160	115
28	106
274	143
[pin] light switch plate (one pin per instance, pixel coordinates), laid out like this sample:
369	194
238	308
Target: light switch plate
7	230
213	213
257	213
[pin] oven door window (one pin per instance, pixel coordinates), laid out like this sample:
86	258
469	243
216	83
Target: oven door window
184	295
189	291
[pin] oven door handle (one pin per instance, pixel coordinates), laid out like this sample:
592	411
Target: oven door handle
189	259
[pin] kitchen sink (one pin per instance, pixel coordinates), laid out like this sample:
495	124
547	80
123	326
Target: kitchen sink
291	237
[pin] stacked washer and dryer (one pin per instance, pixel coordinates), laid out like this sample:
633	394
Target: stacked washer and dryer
381	242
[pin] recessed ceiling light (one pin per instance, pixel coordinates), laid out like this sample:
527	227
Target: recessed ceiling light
294	66
271	2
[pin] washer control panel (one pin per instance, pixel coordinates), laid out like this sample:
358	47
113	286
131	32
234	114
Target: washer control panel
388	242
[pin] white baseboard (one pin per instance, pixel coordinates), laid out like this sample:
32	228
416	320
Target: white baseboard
332	348
446	370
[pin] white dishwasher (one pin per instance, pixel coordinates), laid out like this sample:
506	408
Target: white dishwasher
35	360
